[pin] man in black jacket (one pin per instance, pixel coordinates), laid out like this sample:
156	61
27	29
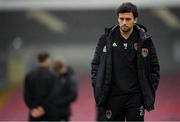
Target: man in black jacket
125	69
37	88
64	93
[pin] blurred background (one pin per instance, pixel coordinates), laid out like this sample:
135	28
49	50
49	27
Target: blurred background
69	30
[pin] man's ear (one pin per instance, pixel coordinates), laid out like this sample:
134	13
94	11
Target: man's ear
135	20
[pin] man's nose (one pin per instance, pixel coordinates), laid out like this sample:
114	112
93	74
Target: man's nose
124	22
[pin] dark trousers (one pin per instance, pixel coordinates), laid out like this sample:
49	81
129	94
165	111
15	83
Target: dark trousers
61	118
42	118
46	117
53	117
60	113
127	107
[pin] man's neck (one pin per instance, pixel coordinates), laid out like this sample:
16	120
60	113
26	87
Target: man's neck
43	65
126	34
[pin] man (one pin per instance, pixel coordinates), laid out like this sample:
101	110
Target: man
65	91
37	88
125	69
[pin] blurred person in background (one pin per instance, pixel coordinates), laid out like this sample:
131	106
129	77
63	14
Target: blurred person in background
64	93
38	85
125	69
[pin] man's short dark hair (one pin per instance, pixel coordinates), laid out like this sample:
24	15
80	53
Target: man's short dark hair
127	7
42	57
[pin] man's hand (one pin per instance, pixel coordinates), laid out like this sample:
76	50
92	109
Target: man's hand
41	110
37	112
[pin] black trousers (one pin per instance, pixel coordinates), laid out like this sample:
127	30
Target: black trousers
50	117
42	118
127	107
59	116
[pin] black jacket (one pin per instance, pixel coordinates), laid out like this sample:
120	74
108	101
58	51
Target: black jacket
63	94
147	66
38	85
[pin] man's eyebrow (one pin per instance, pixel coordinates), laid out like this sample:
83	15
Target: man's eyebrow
125	17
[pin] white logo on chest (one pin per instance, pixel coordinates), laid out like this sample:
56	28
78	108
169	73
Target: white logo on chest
125	45
114	44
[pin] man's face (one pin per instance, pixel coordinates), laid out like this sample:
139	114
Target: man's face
47	62
63	70
126	21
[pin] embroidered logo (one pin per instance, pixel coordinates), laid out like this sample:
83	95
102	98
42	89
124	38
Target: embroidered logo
104	49
108	114
114	44
144	52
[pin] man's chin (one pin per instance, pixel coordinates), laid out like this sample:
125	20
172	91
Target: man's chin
125	30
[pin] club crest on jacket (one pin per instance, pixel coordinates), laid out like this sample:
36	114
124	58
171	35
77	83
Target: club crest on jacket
144	52
108	114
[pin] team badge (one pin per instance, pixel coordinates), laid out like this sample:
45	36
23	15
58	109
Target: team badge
108	114
144	52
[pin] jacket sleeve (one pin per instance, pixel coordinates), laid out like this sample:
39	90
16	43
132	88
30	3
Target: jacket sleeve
154	66
96	59
28	98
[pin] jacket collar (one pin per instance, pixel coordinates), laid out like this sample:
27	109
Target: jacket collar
142	31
